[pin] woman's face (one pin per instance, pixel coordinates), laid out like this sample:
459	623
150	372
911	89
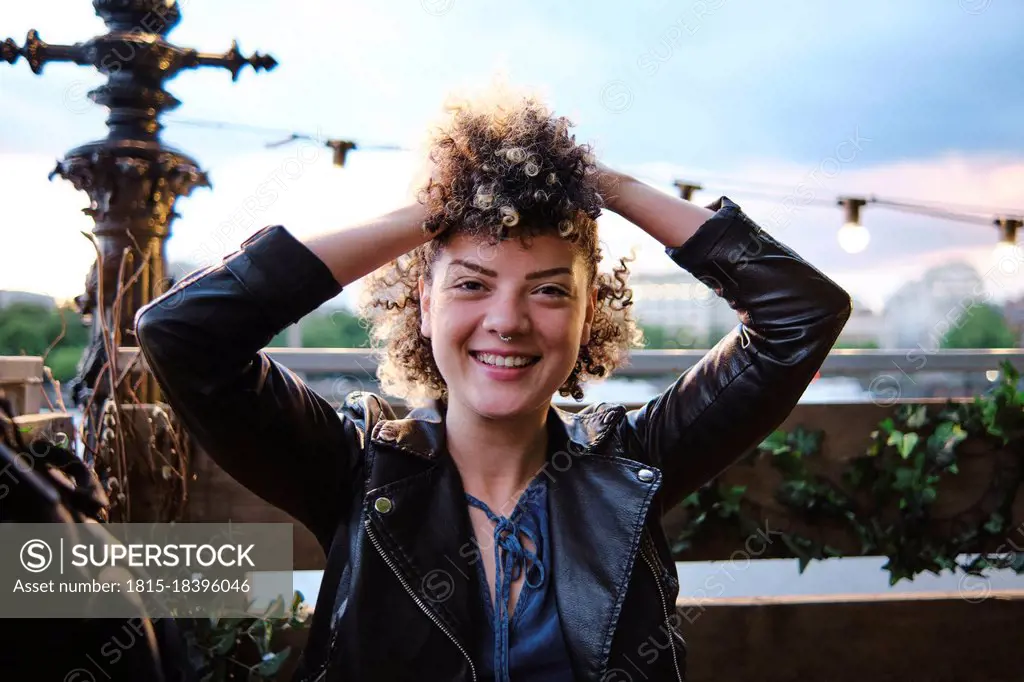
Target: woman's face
538	295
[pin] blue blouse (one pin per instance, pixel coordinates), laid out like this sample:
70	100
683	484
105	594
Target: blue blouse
527	645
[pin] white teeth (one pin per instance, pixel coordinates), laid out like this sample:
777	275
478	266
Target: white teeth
504	360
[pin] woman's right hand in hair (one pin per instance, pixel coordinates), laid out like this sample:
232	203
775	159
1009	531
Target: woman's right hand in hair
357	250
426	173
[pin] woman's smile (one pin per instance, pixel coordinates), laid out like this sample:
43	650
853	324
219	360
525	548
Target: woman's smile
504	366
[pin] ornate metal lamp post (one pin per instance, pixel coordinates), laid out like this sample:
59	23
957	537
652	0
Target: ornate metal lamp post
133	180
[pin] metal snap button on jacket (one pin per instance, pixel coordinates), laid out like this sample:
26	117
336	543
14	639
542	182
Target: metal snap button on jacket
645	475
382	504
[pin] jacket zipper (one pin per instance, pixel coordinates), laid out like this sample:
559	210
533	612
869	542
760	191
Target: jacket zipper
419	602
664	608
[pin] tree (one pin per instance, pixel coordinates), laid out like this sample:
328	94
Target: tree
654	336
328	329
856	345
27	329
981	326
335	329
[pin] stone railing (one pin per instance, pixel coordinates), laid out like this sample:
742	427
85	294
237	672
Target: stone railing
22	383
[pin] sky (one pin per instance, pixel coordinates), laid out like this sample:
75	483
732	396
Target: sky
916	100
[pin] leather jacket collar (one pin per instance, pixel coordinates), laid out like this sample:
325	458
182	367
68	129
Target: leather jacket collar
418	522
422	431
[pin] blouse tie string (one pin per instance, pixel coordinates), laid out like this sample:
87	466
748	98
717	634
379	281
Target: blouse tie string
511	560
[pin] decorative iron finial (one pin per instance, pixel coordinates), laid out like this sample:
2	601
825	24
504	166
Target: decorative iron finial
132	178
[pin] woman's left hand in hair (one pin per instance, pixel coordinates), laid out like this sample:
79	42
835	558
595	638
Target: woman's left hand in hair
667	218
608	183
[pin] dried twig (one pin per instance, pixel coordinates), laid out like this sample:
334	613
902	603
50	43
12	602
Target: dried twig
123	390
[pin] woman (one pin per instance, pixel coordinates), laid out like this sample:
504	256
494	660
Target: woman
489	534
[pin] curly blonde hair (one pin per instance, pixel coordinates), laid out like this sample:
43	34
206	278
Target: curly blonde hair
501	171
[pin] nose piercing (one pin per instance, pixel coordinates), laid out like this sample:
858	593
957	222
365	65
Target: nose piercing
504	338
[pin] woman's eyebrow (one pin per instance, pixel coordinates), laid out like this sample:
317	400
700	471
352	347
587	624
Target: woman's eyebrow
473	266
549	272
491	273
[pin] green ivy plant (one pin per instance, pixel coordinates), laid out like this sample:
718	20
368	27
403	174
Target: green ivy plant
215	644
886	494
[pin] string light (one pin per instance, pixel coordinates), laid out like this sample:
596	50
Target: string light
853	236
339	147
686	189
1008	228
1006	250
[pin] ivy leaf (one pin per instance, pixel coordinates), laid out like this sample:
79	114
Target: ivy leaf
1018	562
1010	374
989	417
896	571
275	609
224	644
907	443
775	443
887	425
796	549
942	443
918	417
905	478
729	504
226	624
806	442
271	663
680	547
994	525
928	495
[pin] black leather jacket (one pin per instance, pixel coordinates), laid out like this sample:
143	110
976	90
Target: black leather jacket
386	501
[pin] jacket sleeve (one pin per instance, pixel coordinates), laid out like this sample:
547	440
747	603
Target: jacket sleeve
203	342
748	383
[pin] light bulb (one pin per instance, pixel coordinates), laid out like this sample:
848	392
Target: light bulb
1007	257
853	237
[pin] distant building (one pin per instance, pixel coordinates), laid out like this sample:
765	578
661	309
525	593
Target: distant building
9	298
678	301
864	328
920	313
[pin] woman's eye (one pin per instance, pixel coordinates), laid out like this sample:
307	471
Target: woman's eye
554	291
468	285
